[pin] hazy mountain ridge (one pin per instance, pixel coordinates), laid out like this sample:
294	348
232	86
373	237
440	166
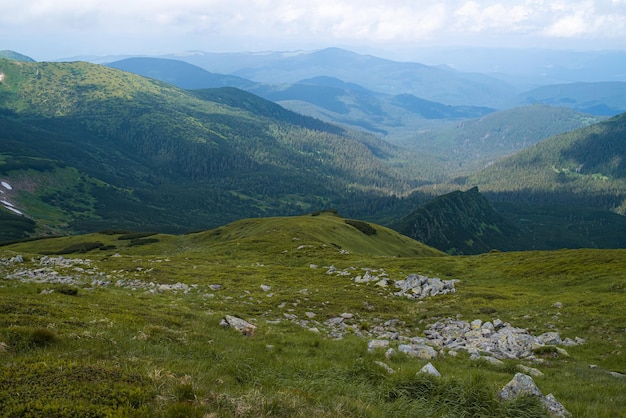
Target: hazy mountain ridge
606	98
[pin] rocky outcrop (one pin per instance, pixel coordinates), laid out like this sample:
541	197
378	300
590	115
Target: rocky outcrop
494	339
415	286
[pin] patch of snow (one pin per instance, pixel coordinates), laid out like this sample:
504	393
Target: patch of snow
6	185
5	203
14	210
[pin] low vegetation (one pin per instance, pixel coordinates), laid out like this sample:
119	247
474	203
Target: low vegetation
142	336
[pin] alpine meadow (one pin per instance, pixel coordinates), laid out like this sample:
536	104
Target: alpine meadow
310	234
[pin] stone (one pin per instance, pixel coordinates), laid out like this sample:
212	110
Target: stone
549	338
558	305
520	385
266	288
420	351
617	375
429	369
239	324
554	407
390	353
529	370
385	366
376	344
476	324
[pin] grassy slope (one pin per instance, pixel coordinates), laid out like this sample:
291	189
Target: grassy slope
164	354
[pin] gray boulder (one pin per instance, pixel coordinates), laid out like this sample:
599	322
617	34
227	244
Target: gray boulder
239	324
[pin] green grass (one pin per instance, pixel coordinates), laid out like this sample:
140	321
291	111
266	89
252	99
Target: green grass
114	351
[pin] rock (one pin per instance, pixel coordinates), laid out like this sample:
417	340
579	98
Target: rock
239	324
347	315
554	407
266	288
215	287
520	385
549	338
430	369
390	353
557	305
617	375
415	286
310	315
376	344
385	366
17	259
476	324
420	351
529	370
491	360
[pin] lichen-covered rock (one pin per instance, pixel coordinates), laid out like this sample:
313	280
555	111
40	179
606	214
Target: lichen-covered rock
520	385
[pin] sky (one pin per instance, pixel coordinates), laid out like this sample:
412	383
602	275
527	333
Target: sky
54	29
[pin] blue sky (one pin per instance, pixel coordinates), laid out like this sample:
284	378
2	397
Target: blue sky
50	29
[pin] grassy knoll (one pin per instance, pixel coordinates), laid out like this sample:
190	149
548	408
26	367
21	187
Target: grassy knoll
136	331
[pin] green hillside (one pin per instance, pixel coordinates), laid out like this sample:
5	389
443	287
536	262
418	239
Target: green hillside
147	155
119	324
461	223
584	167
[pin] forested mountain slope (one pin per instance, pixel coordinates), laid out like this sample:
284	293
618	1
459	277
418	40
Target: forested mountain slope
472	144
85	146
584	167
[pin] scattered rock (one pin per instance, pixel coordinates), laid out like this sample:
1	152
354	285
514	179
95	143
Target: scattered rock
496	339
430	369
266	288
617	375
558	305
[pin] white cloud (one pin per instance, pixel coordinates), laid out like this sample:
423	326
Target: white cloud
210	23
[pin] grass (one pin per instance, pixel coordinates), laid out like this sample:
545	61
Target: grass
115	351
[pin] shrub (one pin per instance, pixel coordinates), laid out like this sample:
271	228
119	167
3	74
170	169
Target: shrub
135	235
142	241
364	227
82	247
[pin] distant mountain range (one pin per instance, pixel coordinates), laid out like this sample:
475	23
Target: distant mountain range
86	147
